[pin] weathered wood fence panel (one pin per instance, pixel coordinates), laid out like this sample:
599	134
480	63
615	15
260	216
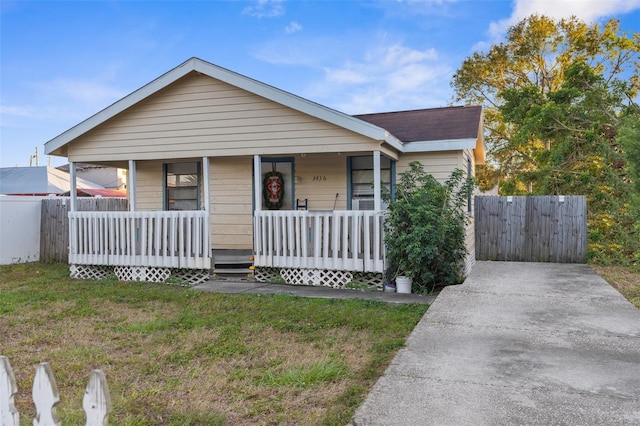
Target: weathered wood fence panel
54	223
531	229
96	402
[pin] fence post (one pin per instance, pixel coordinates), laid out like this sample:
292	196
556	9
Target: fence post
97	399
45	396
9	415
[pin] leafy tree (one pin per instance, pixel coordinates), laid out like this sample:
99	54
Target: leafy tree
573	133
425	227
629	138
536	54
555	94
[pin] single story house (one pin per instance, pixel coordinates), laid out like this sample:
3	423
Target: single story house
219	161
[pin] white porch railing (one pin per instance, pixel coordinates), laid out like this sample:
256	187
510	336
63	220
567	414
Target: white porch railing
170	239
338	240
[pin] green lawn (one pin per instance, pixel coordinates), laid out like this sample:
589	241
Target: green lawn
174	356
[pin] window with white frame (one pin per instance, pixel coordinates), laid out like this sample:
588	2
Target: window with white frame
182	186
362	180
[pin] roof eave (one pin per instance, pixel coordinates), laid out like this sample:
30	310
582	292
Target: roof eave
394	142
441	145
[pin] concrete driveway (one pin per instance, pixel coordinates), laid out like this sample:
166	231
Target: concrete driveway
517	344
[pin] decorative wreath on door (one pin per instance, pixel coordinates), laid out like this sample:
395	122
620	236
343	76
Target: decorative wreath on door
273	189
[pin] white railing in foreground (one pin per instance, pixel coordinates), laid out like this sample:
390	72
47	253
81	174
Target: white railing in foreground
338	240
96	402
171	239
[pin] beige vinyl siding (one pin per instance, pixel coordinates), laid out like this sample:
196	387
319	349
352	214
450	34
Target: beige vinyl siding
439	164
199	116
330	171
149	185
231	207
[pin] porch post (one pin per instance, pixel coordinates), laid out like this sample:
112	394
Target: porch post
257	182
207	220
377	198
205	176
73	190
131	186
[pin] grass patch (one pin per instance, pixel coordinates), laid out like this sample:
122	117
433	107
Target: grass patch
325	371
175	356
625	279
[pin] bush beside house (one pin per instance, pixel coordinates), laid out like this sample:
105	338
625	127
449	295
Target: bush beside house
425	228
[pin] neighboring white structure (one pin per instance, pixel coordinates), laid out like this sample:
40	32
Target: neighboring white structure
19	229
106	176
41	180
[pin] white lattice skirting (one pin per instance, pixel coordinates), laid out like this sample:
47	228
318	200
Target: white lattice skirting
319	277
139	273
90	272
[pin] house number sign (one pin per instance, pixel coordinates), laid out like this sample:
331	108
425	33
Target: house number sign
319	178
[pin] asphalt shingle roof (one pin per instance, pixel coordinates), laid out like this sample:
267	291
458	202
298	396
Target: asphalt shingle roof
433	124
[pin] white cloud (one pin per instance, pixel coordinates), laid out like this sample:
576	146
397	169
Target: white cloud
418	7
265	9
293	27
586	10
400	55
348	74
82	91
17	111
388	77
296	50
60	100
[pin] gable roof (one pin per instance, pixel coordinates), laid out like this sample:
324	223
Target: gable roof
364	128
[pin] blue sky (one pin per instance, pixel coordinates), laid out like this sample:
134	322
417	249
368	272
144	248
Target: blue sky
62	62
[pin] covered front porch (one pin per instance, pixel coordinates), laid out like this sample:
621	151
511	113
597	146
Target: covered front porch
320	247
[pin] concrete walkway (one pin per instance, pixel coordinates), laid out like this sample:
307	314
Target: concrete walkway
517	344
237	286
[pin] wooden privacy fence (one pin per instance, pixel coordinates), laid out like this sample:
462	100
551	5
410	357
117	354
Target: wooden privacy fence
96	402
54	223
531	229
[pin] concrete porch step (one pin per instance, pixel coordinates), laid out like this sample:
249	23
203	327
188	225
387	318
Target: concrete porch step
232	271
231	262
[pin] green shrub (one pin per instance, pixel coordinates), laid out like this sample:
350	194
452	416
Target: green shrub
425	227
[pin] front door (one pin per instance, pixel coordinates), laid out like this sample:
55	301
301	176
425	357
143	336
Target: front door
277	175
